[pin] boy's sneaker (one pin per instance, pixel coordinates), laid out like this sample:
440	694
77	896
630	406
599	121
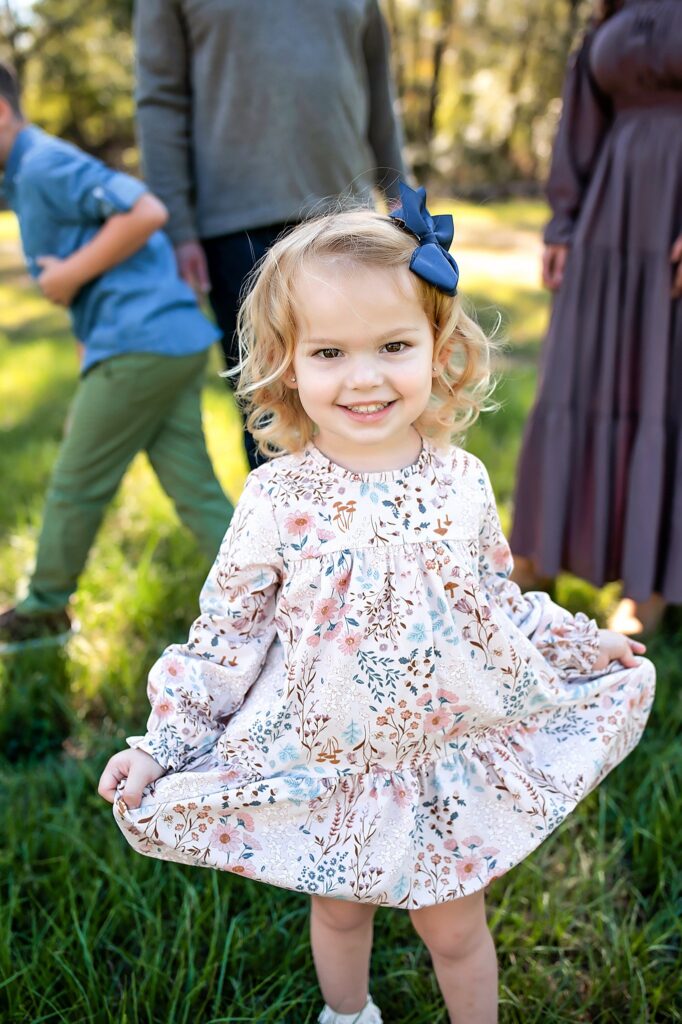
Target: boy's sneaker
20	632
369	1014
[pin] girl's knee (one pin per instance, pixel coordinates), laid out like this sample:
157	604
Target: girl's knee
454	930
340	915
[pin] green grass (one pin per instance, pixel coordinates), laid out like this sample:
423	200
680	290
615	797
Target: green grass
587	929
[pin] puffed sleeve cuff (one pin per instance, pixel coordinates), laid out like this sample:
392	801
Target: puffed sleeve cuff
163	748
572	647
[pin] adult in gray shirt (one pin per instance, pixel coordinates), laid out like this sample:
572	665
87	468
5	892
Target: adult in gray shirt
254	113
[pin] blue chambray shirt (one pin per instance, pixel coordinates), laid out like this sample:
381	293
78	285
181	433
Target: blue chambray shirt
62	197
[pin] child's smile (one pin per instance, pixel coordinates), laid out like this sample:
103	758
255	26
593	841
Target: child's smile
363	363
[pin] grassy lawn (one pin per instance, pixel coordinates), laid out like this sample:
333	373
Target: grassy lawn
588	929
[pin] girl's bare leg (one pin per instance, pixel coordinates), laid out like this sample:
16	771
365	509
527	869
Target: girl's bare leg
341	940
461	947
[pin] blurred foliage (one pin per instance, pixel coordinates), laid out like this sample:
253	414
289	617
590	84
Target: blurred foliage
478	80
75	63
479	84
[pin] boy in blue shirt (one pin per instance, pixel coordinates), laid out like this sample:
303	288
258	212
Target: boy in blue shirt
92	240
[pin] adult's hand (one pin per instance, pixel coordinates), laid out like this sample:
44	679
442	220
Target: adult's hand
192	265
553	264
676	260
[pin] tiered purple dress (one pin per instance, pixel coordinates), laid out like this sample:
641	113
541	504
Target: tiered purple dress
600	480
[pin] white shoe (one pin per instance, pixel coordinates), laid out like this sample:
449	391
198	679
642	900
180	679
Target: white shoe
369	1014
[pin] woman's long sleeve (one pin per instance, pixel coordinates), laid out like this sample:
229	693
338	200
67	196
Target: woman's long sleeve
194	687
585	120
569	643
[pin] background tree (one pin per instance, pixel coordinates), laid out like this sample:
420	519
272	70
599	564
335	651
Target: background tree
478	80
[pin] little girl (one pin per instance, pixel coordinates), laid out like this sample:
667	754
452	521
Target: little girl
367	710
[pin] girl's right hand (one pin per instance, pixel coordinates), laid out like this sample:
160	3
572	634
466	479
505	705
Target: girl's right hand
137	767
553	264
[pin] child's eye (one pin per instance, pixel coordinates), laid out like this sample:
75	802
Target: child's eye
327	353
395	346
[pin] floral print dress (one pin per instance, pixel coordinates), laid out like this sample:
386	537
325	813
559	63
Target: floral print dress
367	708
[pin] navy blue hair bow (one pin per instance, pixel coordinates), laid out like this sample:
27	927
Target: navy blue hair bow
430	260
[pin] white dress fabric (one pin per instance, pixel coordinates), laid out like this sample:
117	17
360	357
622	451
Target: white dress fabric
367	708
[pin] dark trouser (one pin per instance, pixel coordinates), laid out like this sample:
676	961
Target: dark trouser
127	404
230	259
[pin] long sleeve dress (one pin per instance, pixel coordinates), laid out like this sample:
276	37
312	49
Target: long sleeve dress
599	489
367	707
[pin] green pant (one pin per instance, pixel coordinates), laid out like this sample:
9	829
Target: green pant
132	403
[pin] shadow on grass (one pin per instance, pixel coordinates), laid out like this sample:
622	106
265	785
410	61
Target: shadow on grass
36	715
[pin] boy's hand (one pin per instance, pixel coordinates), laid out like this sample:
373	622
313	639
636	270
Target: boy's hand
137	767
616	647
57	282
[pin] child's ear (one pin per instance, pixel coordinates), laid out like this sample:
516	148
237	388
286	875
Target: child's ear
441	355
290	380
6	112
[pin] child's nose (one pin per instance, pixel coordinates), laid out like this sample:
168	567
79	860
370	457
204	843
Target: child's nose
365	373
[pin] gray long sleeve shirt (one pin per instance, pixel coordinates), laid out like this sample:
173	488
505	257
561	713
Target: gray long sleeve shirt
256	112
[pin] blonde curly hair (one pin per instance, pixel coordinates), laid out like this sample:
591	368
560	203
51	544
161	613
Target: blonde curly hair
267	331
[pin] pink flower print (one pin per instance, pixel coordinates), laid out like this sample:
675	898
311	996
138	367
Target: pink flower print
425	698
349	643
325	610
463	605
343	583
333	630
472	841
488	851
313	640
451	844
298	522
438	721
247	821
230	775
468	867
175	668
606	701
243	869
163	707
227	838
400	794
448	695
500	557
325	535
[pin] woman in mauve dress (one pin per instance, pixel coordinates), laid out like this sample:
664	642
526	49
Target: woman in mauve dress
599	490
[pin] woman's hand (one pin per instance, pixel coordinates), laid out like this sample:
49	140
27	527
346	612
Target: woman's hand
676	260
553	264
616	647
137	767
57	282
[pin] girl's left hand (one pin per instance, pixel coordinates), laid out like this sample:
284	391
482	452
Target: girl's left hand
676	258
56	281
616	647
